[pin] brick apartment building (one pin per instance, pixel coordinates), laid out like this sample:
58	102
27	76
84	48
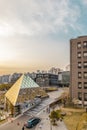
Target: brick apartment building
78	69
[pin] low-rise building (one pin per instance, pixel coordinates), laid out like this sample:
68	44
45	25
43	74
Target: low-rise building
46	79
4	79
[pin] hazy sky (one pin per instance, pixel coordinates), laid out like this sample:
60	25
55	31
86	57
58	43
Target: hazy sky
35	34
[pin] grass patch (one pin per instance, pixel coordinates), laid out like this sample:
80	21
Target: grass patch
72	120
83	122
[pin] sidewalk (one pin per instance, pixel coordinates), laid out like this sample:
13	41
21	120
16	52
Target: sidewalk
46	125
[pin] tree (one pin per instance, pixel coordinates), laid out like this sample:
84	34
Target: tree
55	116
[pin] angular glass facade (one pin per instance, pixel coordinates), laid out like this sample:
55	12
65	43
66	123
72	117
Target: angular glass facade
22	83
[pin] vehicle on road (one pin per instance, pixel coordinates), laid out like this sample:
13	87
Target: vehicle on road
32	122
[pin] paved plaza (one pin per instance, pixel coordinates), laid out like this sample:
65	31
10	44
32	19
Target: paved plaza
46	125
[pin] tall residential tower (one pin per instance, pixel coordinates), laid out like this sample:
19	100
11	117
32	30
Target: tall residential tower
78	69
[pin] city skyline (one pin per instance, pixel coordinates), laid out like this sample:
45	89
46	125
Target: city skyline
35	34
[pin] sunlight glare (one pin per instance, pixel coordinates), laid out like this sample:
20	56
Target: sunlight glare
5	53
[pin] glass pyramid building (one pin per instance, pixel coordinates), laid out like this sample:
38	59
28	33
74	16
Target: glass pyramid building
24	89
22	95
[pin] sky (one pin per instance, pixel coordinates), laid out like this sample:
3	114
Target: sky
35	34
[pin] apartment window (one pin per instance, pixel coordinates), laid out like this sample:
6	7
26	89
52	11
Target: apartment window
79	64
85	54
85	85
85	96
79	75
85	74
85	44
79	85
79	54
85	64
79	95
79	45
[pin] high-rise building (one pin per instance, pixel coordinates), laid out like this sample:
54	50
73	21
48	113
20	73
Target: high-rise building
78	69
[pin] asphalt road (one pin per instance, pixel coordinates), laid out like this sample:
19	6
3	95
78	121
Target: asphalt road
19	122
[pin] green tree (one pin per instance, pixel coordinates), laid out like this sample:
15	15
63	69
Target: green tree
55	116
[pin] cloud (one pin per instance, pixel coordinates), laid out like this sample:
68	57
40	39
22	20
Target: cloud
34	31
84	2
31	17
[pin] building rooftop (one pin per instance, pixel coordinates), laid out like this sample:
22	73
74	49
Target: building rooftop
82	36
24	82
79	37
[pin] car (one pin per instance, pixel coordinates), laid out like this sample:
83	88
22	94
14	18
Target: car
32	122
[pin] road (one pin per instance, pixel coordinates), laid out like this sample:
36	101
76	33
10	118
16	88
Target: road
18	123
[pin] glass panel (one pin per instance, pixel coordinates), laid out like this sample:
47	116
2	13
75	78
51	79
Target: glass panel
79	44
85	96
79	75
85	44
85	64
79	64
85	54
79	54
85	84
79	85
85	74
80	96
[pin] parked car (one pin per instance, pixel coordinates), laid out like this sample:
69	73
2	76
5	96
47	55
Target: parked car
32	122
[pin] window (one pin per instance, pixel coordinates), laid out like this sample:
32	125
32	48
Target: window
79	64
85	74
85	44
85	64
85	96
79	44
85	85
79	85
79	95
79	54
85	54
79	75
